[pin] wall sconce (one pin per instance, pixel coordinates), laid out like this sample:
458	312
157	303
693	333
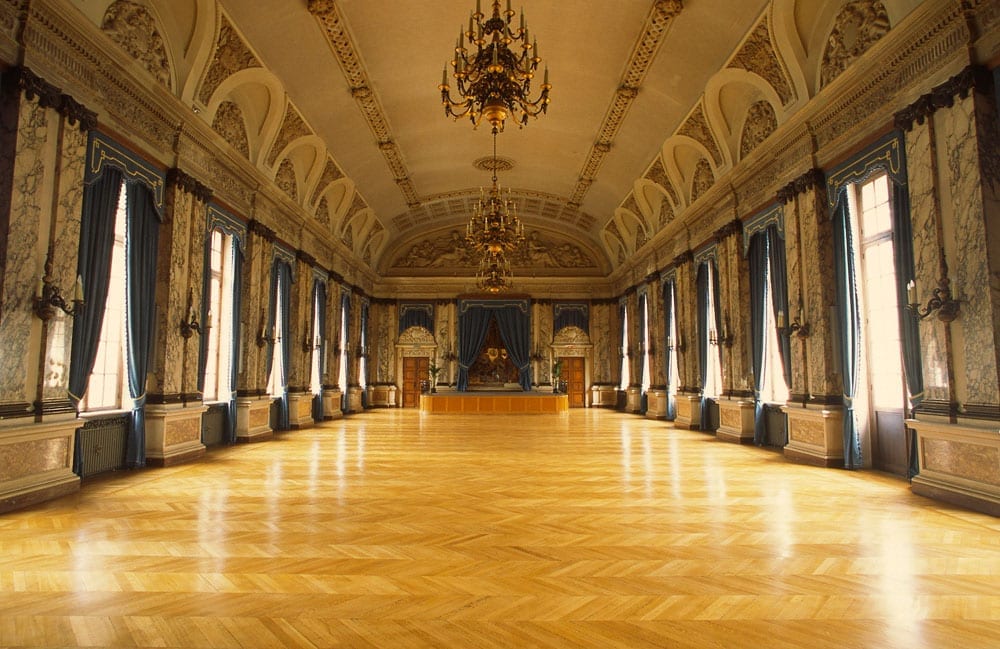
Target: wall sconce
677	346
800	329
725	339
310	345
449	356
190	326
263	337
941	300
48	297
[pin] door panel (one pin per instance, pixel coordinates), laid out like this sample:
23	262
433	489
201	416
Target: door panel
415	370
574	375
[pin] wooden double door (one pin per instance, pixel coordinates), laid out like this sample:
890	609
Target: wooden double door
415	370
573	372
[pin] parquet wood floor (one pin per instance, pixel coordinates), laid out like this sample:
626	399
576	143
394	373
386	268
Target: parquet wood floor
586	529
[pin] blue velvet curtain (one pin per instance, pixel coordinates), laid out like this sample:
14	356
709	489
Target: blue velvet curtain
472	327
643	355
668	316
319	304
206	300
850	324
702	283
757	258
909	330
571	315
416	315
237	335
97	238
779	294
363	368
622	379
515	330
141	245
285	286
345	358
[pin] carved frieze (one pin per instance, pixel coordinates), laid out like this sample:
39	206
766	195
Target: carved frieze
229	124
331	173
134	29
323	212
658	175
231	56
859	25
292	128
285	179
703	179
760	123
696	128
759	57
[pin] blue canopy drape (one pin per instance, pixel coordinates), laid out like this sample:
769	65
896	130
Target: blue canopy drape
571	315
472	327
670	345
850	324
757	258
416	315
97	238
319	305
141	245
516	334
235	340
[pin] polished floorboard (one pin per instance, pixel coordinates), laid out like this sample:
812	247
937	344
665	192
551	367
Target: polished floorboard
584	529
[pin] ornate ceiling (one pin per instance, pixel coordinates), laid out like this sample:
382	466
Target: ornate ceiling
653	103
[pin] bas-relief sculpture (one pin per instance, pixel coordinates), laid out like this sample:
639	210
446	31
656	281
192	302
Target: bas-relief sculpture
229	124
857	27
132	27
450	250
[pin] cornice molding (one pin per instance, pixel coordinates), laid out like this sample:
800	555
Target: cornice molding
973	78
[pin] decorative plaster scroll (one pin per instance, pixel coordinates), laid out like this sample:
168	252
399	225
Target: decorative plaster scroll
660	17
812	178
760	123
356	206
759	56
231	56
323	212
666	212
229	124
658	175
133	28
857	27
416	336
571	336
331	173
338	36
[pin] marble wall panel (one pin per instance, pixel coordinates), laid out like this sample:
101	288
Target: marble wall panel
605	344
300	313
969	270
169	374
794	268
182	431
657	335
924	218
26	243
819	295
965	460
66	243
332	372
383	365
33	457
687	327
634	340
542	322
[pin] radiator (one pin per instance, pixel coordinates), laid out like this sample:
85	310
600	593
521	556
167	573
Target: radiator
102	444
213	424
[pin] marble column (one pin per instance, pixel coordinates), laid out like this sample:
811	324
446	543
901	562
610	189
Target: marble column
174	402
354	355
253	405
332	395
656	396
300	318
688	398
736	405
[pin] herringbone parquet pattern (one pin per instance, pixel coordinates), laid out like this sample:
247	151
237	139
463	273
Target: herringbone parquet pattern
587	529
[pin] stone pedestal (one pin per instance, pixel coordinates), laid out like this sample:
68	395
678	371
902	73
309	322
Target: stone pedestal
815	435
173	433
656	404
633	399
958	464
36	463
735	421
382	395
603	396
688	411
253	419
300	413
331	404
354	393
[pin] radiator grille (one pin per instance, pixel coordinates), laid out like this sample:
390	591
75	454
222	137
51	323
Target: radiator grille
213	424
102	444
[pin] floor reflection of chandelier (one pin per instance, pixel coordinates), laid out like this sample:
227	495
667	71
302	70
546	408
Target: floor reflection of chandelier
494	274
494	82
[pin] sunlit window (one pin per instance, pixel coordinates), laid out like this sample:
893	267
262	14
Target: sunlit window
646	382
672	346
316	379
713	377
773	389
107	388
219	319
872	208
276	380
342	375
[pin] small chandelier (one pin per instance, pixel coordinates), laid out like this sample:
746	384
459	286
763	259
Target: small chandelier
494	82
494	227
494	274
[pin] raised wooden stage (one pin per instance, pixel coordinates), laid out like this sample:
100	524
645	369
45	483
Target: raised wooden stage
494	402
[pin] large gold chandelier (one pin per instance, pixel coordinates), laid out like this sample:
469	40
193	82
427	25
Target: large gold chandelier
494	274
494	226
494	82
